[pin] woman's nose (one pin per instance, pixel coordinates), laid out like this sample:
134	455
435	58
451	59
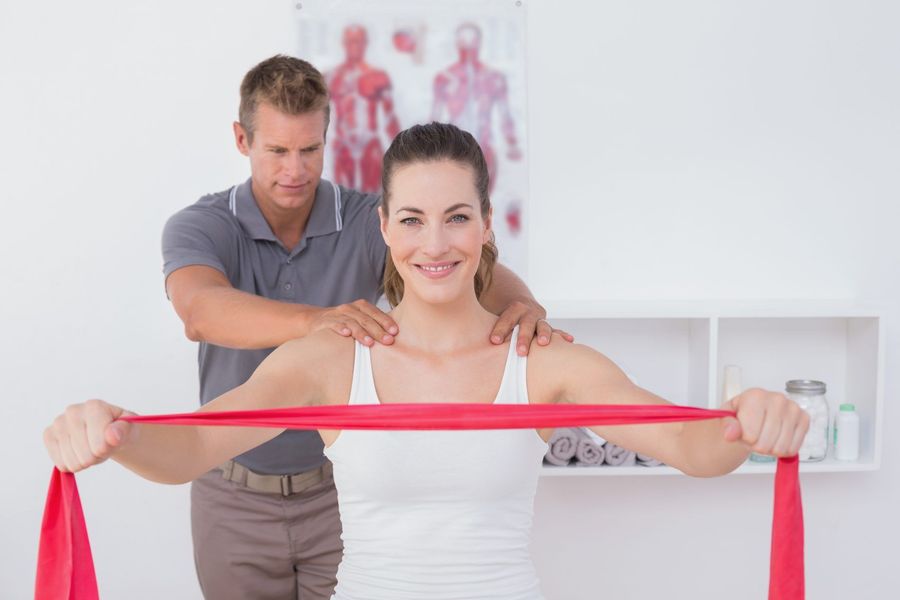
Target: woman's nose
436	242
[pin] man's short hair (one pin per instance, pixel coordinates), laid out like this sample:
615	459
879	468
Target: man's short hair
289	84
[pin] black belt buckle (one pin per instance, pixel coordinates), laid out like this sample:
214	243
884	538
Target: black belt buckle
286	488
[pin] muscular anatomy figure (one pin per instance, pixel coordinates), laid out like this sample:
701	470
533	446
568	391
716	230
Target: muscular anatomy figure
358	90
468	90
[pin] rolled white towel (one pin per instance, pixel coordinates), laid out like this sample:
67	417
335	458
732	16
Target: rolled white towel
562	446
646	460
592	436
617	456
587	452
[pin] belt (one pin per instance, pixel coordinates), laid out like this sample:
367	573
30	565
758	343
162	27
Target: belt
286	485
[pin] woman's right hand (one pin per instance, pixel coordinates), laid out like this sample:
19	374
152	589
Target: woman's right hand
87	434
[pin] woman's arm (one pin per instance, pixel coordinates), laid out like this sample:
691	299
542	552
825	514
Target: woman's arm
767	422
297	373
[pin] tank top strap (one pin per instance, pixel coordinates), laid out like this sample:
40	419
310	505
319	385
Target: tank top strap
362	389
513	388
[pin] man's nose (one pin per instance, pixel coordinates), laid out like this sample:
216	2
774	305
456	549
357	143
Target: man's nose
296	166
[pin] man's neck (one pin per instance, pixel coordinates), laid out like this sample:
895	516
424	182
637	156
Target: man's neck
288	225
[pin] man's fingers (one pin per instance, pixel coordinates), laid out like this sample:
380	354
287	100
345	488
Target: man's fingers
544	332
374	329
341	328
565	335
358	332
383	319
527	327
506	322
363	321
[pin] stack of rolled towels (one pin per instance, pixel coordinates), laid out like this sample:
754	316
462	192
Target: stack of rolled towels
581	447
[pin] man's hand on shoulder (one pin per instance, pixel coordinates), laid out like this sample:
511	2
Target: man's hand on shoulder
360	319
533	326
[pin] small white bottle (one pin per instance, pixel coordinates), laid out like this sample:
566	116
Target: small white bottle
846	433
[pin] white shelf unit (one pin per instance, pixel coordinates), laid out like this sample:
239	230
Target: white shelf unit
679	350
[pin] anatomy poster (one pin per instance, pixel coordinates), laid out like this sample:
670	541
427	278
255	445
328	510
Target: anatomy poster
394	63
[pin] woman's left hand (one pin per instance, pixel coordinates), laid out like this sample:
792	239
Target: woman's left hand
767	422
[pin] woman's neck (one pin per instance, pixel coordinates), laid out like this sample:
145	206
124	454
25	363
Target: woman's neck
442	327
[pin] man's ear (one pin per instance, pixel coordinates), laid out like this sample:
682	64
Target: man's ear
241	138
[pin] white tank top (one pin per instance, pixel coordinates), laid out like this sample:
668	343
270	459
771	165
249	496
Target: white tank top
443	515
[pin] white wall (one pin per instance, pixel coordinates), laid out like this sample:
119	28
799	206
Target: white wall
694	149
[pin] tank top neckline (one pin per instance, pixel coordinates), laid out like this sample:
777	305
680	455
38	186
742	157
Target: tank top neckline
364	366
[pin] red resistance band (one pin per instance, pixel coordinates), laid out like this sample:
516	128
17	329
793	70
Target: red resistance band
65	568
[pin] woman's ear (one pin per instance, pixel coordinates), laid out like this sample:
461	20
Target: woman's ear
384	223
488	233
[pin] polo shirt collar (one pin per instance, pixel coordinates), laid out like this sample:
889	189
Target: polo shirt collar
324	218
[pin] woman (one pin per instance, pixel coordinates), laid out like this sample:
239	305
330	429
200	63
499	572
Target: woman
432	514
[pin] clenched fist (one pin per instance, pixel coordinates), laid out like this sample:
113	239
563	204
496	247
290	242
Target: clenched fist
86	434
768	422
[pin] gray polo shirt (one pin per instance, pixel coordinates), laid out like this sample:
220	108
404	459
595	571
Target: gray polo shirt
339	259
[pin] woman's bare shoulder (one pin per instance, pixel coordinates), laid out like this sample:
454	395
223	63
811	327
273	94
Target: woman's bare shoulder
323	343
561	365
560	352
323	355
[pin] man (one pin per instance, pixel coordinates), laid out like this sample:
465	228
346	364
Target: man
274	258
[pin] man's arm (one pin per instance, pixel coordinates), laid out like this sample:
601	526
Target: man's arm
509	297
214	311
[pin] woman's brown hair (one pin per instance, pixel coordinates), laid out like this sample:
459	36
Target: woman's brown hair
430	143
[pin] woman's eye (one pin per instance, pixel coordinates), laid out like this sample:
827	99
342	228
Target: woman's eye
459	219
409	221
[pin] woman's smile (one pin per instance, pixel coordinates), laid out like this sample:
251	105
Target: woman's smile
437	270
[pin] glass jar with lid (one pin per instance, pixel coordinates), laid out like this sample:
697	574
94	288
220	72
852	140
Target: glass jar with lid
810	396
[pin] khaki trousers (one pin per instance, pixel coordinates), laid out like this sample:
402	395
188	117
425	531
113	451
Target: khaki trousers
252	545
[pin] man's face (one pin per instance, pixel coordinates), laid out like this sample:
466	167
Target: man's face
286	156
